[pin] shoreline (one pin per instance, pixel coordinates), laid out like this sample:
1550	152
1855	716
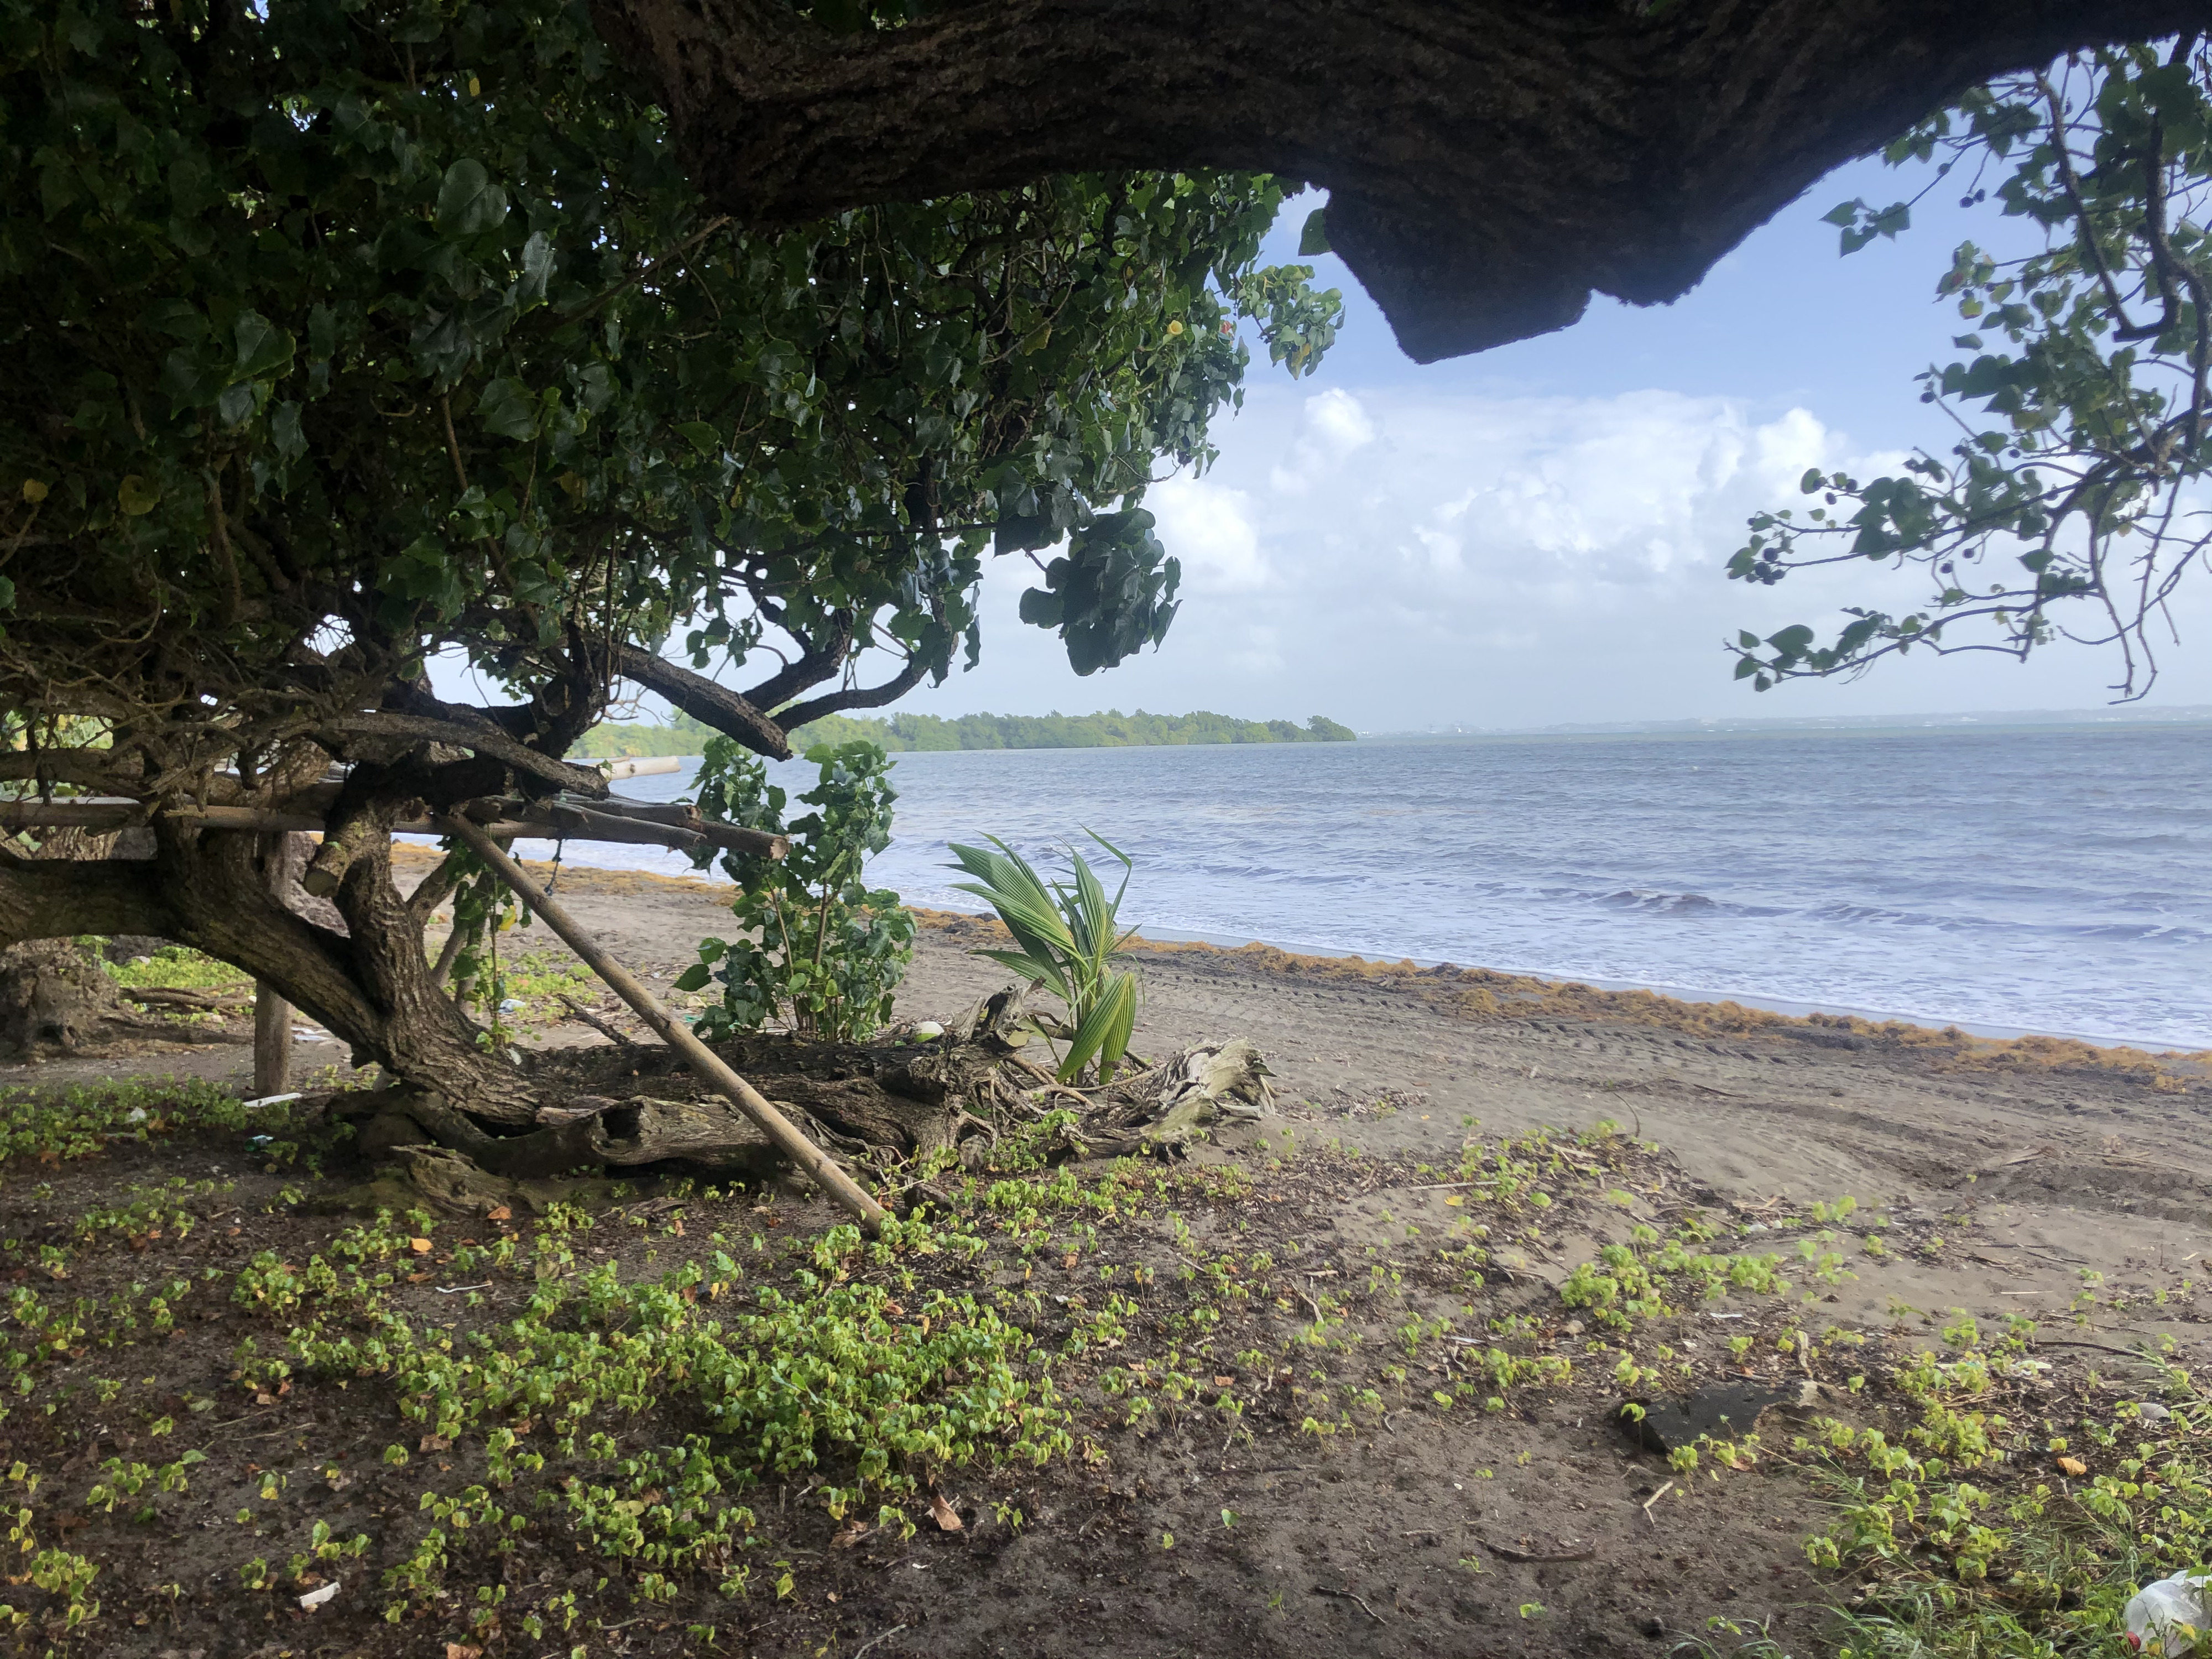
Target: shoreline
1693	994
708	885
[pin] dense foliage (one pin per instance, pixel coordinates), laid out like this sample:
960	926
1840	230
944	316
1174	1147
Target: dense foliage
817	948
1111	730
340	333
343	335
901	733
2070	506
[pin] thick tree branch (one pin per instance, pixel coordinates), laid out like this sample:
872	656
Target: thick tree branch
836	702
727	711
1489	162
61	898
461	733
821	660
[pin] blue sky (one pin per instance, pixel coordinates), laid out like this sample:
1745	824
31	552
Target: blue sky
1537	534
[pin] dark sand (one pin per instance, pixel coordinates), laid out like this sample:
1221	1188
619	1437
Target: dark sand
2009	1173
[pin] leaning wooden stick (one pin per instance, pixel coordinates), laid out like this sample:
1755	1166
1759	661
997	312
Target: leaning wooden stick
673	1031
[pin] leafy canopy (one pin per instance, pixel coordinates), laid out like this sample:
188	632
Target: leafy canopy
345	331
2071	504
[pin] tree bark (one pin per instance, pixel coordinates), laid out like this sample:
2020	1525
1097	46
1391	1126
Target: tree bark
1489	162
272	1014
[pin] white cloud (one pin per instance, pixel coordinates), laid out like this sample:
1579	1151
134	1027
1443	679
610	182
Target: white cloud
1335	426
1209	528
1402	556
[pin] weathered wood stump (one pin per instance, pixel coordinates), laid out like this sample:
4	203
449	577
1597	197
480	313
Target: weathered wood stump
635	1109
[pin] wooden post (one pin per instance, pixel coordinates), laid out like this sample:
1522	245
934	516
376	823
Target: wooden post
272	1015
673	1031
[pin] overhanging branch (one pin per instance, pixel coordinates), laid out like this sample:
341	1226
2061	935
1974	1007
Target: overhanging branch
1489	162
836	702
728	712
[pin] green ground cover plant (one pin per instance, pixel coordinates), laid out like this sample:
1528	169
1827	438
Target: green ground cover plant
723	1420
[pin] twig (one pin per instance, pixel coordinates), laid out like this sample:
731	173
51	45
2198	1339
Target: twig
455	1289
873	1640
605	1028
1352	1596
1505	1554
1654	1498
2101	1347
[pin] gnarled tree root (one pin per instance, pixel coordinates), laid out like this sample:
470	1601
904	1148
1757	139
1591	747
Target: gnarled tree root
636	1110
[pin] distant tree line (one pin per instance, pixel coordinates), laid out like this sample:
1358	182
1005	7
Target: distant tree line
904	734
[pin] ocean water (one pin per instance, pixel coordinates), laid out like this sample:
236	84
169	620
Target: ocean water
2053	880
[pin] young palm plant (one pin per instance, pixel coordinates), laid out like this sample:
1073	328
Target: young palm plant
1069	936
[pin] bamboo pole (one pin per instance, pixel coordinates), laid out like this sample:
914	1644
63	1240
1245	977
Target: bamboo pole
673	1031
272	1014
554	822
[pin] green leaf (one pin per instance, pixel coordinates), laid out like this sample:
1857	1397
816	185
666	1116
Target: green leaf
468	201
537	268
694	978
507	409
135	496
703	437
264	350
1313	237
1114	1013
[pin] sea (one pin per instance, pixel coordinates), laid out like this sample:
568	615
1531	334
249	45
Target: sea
2052	879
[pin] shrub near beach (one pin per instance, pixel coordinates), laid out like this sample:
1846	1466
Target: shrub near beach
818	949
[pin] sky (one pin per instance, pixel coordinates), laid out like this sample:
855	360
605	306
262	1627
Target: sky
1537	534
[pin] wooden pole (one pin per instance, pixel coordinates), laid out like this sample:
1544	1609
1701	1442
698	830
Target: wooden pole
272	1014
673	1031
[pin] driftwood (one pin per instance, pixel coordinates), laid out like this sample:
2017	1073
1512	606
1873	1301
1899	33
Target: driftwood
504	818
709	1065
1178	1101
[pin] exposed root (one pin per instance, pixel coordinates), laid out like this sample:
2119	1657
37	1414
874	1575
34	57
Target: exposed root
636	1110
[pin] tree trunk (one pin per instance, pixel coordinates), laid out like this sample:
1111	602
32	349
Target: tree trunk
272	1014
1489	162
53	994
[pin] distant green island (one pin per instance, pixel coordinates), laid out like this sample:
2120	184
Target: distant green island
906	733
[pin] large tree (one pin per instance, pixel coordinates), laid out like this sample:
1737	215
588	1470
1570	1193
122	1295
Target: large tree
341	336
1489	162
2070	504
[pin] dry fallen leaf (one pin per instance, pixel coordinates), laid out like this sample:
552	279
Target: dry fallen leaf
503	1214
430	1443
462	1650
420	1247
943	1513
1457	1198
2073	1466
1223	1382
314	1599
851	1535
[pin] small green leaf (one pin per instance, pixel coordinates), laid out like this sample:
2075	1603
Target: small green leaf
507	409
135	496
692	978
1313	237
468	201
703	437
264	350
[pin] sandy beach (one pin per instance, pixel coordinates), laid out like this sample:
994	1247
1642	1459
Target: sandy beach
1989	1180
